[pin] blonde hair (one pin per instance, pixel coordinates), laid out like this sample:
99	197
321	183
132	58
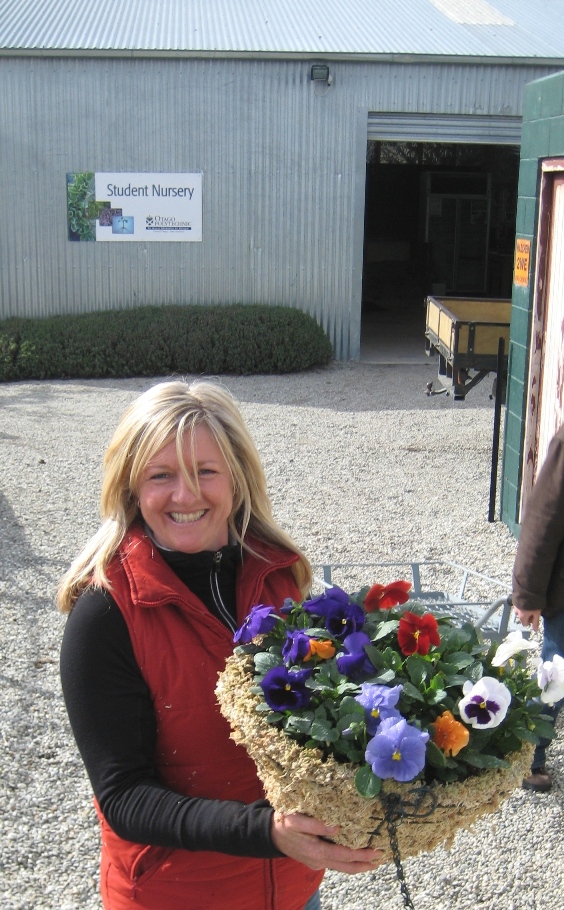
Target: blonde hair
164	413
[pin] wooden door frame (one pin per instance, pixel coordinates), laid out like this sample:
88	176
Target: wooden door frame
551	168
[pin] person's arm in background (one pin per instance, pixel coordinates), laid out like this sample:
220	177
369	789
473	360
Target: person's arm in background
541	537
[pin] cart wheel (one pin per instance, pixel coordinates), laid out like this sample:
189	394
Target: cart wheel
429	388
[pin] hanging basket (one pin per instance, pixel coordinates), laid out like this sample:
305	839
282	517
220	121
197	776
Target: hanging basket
298	780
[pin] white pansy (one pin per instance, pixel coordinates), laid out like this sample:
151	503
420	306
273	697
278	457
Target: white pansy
510	646
485	703
550	675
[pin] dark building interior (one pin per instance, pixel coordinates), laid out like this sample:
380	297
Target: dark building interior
439	219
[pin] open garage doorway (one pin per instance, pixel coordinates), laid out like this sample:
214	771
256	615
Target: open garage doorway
439	219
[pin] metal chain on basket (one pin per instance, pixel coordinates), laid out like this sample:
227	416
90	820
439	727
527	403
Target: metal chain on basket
396	808
392	834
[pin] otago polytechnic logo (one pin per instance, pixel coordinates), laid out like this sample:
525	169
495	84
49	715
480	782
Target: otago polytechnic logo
166	223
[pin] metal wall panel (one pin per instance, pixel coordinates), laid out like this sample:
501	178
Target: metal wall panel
468	128
282	160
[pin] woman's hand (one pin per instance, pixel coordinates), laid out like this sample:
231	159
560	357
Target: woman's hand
528	617
304	839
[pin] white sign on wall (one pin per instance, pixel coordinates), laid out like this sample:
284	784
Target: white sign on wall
126	207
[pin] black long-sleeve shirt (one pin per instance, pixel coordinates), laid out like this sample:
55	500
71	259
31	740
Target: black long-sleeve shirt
113	721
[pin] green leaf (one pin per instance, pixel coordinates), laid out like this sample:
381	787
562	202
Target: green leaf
375	657
322	730
367	783
274	718
435	756
297	724
483	760
410	690
436	697
349	705
385	628
266	661
418	669
386	677
460	659
544	728
457	680
356	721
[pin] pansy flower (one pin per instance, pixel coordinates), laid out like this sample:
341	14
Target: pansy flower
323	649
379	702
260	620
397	750
550	676
296	646
355	659
485	703
416	634
510	646
382	597
450	735
285	690
340	614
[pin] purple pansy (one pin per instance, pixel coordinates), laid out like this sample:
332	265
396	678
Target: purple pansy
397	750
285	690
260	620
379	703
355	661
342	617
297	645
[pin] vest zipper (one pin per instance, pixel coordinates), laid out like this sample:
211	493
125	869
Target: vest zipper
216	593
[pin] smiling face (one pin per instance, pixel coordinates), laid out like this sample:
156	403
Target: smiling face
179	517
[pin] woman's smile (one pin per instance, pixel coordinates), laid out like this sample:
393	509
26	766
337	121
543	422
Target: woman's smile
183	518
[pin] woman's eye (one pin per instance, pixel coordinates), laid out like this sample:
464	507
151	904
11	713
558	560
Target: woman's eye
161	476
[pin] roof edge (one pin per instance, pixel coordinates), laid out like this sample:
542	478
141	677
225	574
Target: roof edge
283	55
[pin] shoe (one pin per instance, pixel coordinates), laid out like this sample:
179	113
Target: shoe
539	779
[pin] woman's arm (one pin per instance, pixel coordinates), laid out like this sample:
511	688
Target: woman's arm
113	721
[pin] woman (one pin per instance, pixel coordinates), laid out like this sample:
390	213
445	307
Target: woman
187	546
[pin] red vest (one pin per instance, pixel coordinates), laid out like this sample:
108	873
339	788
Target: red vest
180	649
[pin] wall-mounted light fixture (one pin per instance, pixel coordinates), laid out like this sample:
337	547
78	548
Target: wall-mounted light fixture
320	73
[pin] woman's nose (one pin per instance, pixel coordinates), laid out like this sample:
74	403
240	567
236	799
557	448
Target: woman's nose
183	492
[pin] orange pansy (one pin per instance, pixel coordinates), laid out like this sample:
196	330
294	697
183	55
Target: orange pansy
450	735
323	649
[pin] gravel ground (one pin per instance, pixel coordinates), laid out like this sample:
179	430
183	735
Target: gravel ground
363	467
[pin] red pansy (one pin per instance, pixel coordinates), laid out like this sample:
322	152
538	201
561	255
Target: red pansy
382	597
416	634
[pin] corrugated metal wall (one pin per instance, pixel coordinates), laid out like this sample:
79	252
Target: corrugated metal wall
282	162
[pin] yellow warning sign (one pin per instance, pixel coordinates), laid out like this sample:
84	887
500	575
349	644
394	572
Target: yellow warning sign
522	257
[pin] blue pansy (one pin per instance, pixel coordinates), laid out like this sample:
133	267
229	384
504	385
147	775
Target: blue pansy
260	620
355	661
296	646
340	614
285	690
379	703
397	750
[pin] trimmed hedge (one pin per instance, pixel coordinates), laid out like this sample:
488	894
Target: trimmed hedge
155	341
